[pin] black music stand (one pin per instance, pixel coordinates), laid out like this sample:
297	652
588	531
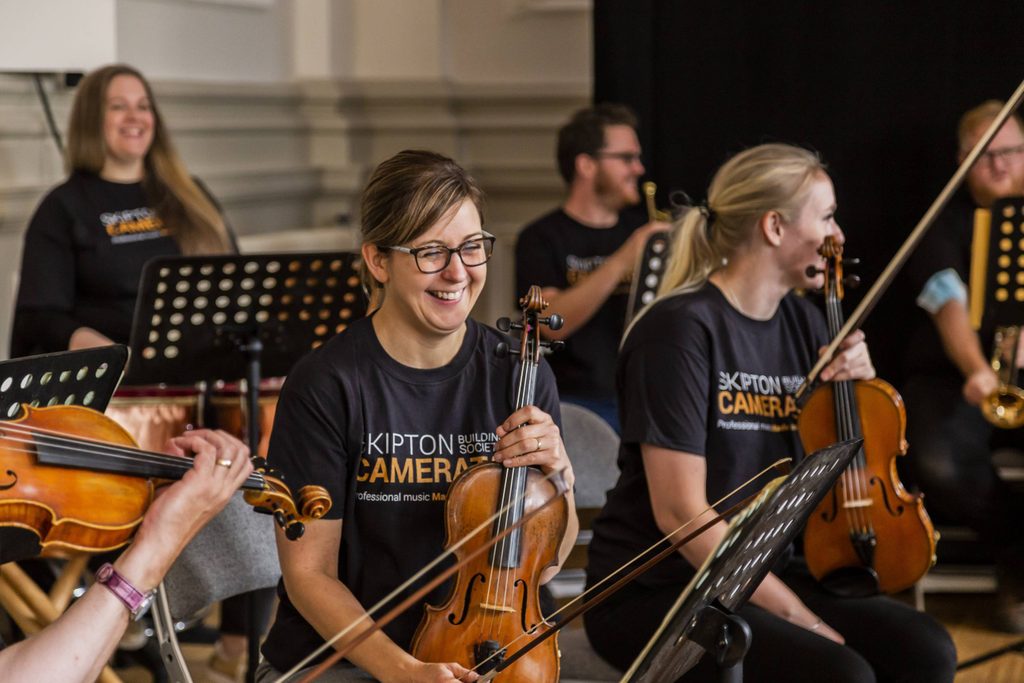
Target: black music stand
201	318
82	378
996	285
997	301
239	317
647	273
703	619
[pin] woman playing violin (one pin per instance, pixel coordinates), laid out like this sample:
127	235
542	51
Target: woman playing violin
706	378
387	413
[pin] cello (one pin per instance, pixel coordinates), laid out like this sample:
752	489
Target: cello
72	479
495	597
869	534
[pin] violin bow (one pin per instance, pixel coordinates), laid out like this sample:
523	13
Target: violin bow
420	594
867	304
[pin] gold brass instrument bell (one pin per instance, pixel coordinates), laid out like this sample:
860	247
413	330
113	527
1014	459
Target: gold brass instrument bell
997	296
653	212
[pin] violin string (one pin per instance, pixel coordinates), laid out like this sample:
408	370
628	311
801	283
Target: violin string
636	558
843	426
38	436
55	438
402	588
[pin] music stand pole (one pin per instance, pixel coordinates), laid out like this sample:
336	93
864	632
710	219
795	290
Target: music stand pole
199	318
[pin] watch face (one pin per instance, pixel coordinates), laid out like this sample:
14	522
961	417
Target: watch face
104	573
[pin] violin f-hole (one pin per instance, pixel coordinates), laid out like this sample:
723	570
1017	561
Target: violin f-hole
466	600
14	482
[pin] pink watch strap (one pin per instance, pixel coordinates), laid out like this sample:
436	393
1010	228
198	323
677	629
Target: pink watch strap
134	599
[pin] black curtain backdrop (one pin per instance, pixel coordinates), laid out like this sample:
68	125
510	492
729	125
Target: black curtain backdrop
876	87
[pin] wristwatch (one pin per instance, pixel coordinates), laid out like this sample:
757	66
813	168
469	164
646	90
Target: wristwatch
135	600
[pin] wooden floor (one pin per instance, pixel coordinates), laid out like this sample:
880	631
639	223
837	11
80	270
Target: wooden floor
967	617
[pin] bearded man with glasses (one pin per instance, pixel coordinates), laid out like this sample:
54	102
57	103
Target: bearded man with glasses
949	373
583	253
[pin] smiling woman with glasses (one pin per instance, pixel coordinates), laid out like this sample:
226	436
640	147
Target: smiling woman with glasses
389	412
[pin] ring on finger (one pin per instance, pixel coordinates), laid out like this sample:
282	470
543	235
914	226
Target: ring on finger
540	444
224	462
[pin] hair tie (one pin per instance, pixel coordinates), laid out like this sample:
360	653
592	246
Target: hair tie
709	215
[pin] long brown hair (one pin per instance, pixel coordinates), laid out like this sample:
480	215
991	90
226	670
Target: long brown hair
184	208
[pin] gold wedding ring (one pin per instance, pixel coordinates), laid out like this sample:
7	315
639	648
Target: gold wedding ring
224	462
539	444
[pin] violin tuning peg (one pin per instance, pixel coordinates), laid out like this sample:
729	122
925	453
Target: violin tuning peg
259	463
812	271
501	350
554	321
280	520
294	531
851	262
554	345
851	281
504	324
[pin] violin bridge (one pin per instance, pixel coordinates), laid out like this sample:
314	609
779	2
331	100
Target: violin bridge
497	608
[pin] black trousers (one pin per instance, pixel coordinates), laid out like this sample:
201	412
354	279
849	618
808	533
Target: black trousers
885	640
950	460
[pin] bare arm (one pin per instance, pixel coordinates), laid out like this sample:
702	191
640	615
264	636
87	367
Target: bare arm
78	645
963	347
677	481
579	303
309	567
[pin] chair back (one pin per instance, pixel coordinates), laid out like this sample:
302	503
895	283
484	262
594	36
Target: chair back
593	447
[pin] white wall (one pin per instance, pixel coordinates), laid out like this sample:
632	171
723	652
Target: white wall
206	40
284	106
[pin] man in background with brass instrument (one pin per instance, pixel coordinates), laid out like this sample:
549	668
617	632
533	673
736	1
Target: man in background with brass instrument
950	374
583	253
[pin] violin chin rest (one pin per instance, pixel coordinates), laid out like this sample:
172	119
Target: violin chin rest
852	582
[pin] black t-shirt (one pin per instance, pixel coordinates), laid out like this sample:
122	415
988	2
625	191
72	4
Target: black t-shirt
557	251
386	441
84	251
946	245
697	376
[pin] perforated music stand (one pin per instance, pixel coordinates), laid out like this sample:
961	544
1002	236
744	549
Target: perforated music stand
237	317
997	264
703	619
647	274
83	378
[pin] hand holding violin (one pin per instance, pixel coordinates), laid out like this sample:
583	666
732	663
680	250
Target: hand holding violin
536	441
180	510
852	362
79	643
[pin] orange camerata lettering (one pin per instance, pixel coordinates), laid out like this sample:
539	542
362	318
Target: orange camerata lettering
424	470
745	403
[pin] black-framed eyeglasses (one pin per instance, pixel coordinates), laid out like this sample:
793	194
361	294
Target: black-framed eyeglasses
433	258
1002	154
625	157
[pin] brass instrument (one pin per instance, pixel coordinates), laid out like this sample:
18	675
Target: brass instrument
653	212
997	290
1005	406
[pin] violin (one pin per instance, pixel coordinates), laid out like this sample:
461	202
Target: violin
495	597
76	481
869	534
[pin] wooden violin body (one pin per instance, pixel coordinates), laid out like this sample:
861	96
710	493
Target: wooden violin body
869	534
494	600
69	510
72	479
869	519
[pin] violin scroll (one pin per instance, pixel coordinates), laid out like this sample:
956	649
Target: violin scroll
276	499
